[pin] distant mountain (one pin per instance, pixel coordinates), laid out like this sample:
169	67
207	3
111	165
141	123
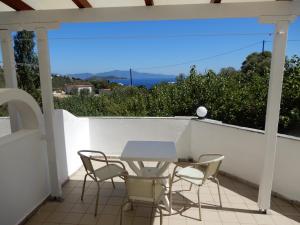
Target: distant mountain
121	74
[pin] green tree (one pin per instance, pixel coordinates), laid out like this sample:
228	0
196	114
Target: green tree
2	81
258	63
3	108
27	63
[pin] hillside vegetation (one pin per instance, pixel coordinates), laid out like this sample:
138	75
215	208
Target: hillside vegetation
233	96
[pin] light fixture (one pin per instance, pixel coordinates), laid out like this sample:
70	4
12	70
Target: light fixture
201	112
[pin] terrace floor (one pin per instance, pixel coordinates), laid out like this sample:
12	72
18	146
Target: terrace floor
239	206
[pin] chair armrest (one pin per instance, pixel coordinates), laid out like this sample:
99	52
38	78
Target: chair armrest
116	162
185	164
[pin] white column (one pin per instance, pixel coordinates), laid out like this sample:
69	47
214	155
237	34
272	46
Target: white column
273	111
10	76
48	108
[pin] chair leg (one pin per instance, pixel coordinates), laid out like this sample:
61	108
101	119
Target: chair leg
121	215
199	203
170	198
113	183
160	216
218	184
190	186
83	187
97	199
151	215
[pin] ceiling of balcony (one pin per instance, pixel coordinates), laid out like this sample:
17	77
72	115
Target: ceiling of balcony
21	5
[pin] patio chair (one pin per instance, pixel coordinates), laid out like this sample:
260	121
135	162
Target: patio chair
145	190
198	173
109	171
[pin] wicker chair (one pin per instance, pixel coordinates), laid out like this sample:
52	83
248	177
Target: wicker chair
109	171
198	173
145	190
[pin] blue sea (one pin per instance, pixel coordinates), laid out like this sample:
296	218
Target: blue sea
147	82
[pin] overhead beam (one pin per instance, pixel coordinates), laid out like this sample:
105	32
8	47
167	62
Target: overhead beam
17	5
82	4
149	2
164	12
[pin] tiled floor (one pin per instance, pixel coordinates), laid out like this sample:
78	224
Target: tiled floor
239	206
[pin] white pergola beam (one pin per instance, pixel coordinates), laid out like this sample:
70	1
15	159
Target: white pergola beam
10	76
162	12
273	110
48	108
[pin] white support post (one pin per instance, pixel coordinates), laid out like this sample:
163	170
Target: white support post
48	108
273	112
10	75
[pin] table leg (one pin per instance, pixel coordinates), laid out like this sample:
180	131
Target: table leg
162	168
134	168
141	164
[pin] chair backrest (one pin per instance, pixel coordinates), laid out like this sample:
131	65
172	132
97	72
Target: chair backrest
147	189
86	160
211	163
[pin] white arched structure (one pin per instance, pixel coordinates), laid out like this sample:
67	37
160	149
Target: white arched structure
28	110
24	160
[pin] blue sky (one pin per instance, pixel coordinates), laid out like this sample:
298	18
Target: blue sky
98	47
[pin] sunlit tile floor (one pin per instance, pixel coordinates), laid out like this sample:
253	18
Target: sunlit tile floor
239	206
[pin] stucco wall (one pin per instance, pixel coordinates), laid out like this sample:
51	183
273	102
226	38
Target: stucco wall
24	175
244	151
71	134
111	134
4	126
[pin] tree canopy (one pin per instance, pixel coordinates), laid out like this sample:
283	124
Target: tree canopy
27	63
233	96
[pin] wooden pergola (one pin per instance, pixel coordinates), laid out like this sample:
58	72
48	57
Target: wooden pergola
40	16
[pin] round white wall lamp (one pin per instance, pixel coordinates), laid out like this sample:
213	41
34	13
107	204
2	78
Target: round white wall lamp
201	112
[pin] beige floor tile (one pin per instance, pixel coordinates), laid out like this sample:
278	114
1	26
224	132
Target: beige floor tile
212	223
49	223
106	220
40	217
80	208
140	220
227	216
238	202
64	207
263	219
246	218
177	221
72	218
210	216
127	220
115	201
111	210
280	220
194	222
72	198
56	217
89	219
230	223
289	210
49	207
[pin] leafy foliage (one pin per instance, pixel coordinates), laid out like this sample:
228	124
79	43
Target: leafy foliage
3	108
27	63
232	96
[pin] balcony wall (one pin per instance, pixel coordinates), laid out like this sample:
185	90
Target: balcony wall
242	147
23	153
4	126
110	135
24	175
71	134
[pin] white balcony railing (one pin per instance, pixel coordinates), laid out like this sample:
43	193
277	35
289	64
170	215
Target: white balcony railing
24	160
